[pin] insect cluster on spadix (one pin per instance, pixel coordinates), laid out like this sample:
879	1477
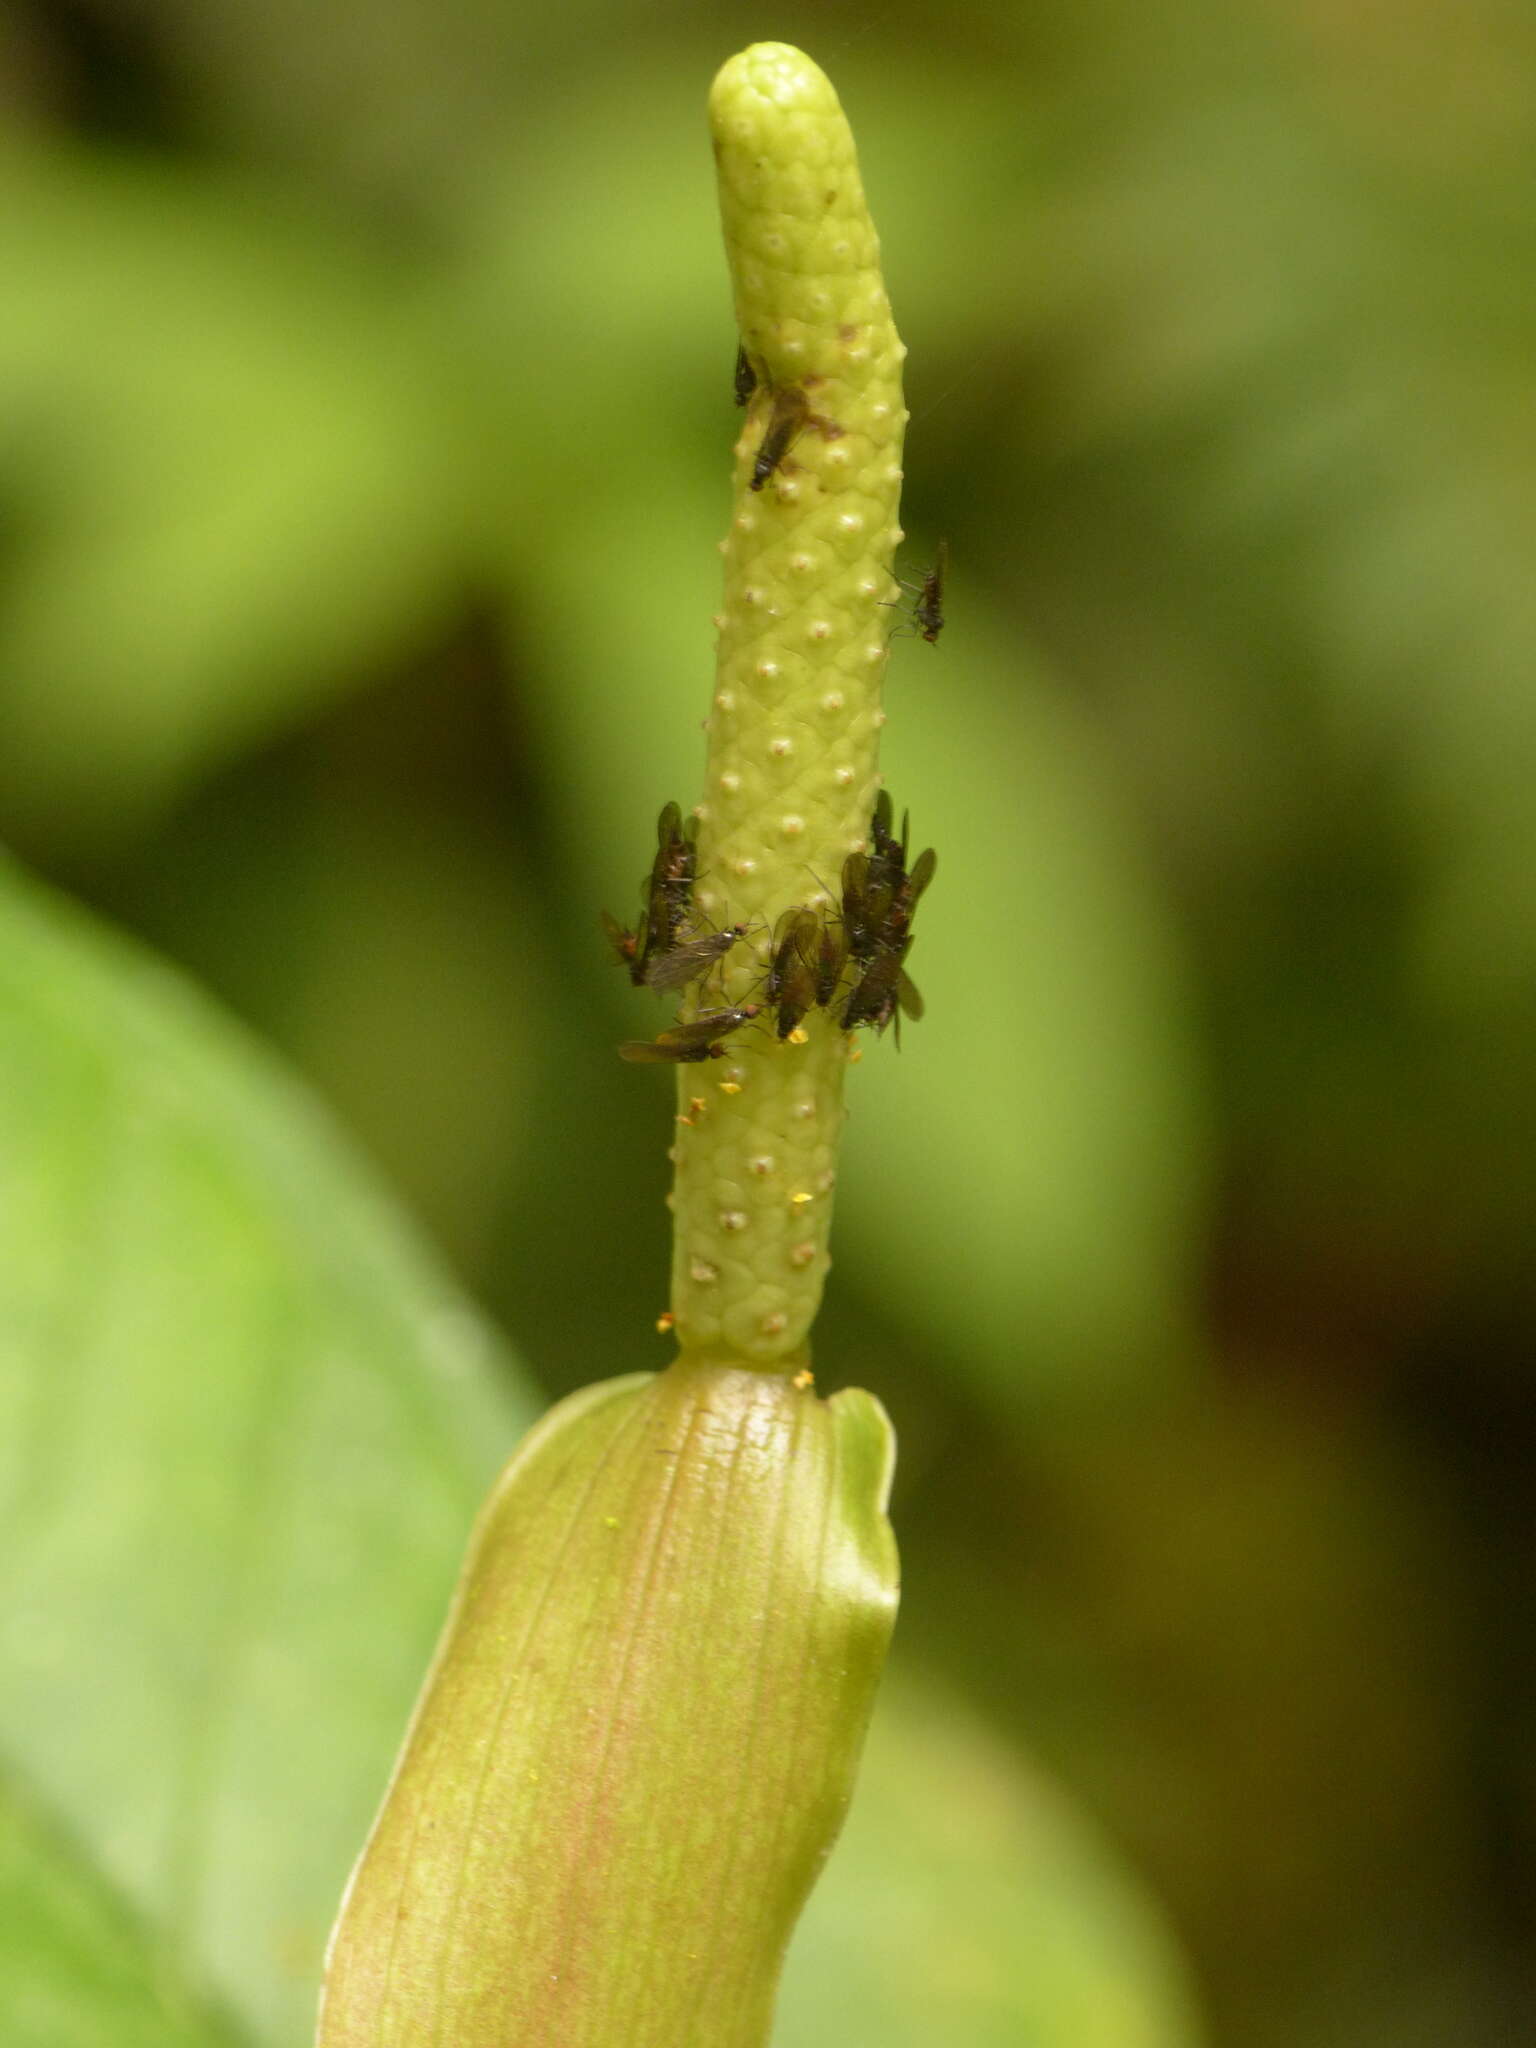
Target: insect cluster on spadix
848	960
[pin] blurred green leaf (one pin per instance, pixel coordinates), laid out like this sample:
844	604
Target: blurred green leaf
73	1966
1048	1109
245	1426
238	478
968	1903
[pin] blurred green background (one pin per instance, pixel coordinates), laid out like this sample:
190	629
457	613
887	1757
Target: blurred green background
364	423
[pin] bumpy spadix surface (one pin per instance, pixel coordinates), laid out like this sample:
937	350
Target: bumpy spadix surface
795	722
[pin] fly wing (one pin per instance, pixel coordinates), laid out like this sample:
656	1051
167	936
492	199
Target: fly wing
678	965
707	1026
922	874
669	828
797	980
831	953
857	923
655	1051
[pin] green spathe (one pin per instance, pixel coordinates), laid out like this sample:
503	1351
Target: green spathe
639	1735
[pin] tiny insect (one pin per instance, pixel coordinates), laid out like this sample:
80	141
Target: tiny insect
791	982
695	1040
665	1048
927	614
831	956
627	945
859	927
746	376
790	415
685	960
888	857
668	892
897	920
675	849
882	990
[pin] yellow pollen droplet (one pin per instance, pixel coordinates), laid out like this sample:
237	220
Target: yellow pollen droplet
799	1036
729	1087
610	1521
855	1054
803	1380
665	1321
801	1200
